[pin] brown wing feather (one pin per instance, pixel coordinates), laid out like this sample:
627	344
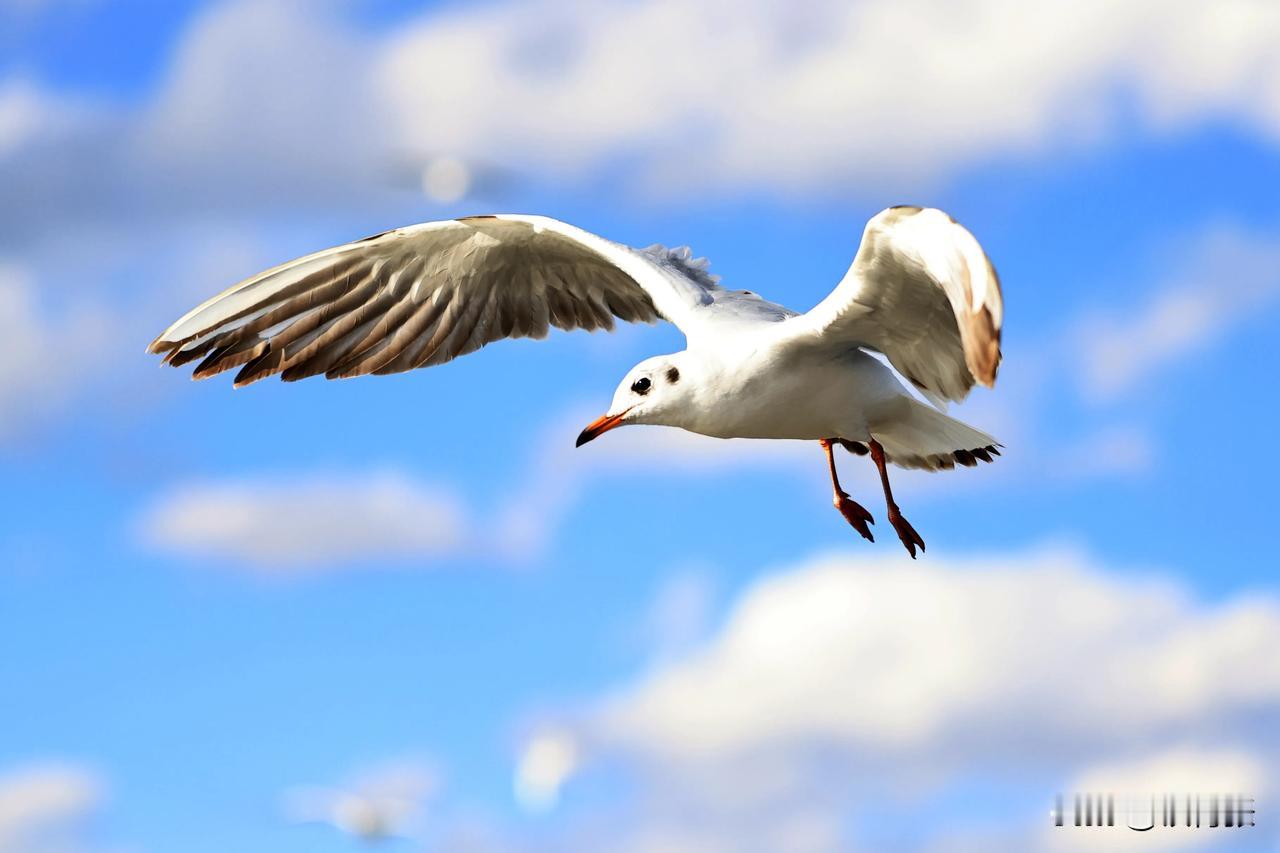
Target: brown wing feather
404	299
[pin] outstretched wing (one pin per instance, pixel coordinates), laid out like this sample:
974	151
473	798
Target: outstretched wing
428	293
922	291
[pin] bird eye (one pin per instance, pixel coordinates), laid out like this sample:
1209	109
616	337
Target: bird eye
641	385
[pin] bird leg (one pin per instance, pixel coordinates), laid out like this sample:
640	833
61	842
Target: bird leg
906	532
853	512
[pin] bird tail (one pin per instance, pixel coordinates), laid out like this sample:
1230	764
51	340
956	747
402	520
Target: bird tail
920	436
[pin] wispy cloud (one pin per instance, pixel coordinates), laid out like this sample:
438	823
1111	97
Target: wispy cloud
22	114
680	616
559	474
546	761
46	354
1109	451
309	523
44	807
1223	281
385	801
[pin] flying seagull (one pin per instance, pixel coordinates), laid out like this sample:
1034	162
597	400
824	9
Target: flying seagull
920	292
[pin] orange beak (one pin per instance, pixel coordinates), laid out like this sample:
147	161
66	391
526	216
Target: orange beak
599	427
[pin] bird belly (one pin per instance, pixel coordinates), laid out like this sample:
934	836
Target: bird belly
800	398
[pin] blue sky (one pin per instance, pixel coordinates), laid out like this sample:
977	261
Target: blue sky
213	600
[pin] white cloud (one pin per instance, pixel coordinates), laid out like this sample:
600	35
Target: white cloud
918	659
267	98
759	96
270	104
307	522
303	524
380	802
45	356
846	686
43	807
266	106
545	763
22	114
1224	281
1183	768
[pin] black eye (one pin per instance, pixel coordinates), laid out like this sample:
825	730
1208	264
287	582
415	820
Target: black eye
641	385
673	375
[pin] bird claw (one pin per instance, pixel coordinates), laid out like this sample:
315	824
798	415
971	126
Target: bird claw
856	515
907	533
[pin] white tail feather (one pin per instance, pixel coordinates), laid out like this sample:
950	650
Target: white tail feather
919	436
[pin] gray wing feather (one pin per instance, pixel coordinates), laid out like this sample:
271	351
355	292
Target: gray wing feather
429	293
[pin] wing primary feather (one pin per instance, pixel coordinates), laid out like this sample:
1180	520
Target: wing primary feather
338	342
228	357
464	321
416	333
272	315
482	330
285	288
297	341
382	329
439	331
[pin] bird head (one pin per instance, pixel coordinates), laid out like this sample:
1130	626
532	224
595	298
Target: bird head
655	391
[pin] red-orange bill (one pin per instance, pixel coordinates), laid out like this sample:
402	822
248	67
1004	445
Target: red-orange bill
599	427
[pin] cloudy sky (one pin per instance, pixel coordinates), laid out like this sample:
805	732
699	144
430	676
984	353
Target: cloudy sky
285	617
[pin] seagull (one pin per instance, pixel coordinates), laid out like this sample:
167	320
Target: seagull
919	309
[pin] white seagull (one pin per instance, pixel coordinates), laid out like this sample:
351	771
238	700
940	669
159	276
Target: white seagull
920	291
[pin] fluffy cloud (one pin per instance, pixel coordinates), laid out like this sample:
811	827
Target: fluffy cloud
919	659
270	104
845	685
245	123
42	807
296	525
763	96
254	97
1223	282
